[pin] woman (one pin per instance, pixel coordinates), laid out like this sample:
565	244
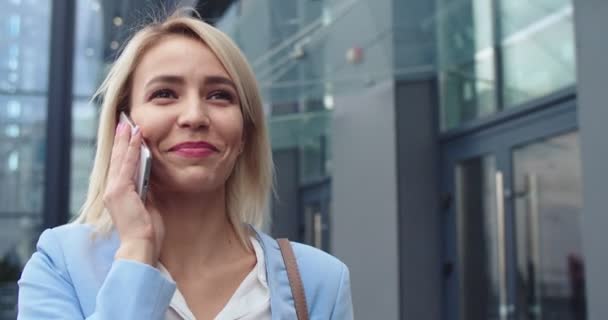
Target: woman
193	249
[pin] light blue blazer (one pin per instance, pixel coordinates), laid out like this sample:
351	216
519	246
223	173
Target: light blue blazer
74	276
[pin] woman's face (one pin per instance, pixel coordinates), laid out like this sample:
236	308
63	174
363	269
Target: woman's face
189	112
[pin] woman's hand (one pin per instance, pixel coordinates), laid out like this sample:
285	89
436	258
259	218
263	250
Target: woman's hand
139	226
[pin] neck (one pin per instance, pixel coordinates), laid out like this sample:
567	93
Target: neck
198	233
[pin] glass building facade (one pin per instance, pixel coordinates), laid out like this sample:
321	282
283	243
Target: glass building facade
511	230
24	34
495	55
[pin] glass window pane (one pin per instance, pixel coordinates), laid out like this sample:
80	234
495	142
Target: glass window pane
536	43
88	47
466	61
88	72
22	125
538	48
548	217
84	129
24	36
310	133
24	62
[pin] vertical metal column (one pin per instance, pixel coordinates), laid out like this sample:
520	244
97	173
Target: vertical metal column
420	278
59	115
498	55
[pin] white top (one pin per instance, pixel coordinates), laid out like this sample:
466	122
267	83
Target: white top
250	301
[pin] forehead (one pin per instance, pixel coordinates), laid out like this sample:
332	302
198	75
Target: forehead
178	55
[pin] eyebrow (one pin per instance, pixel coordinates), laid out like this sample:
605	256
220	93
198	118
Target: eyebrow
219	80
180	80
165	79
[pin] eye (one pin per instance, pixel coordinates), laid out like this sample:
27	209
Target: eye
163	94
221	95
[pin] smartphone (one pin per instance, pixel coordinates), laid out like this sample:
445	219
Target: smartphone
142	173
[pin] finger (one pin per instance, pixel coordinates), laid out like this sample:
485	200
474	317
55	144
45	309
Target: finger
130	161
121	142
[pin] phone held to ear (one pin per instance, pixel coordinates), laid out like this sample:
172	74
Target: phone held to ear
142	173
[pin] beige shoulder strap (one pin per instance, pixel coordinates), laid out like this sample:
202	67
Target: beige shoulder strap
295	282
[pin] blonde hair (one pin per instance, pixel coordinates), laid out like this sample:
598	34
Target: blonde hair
249	185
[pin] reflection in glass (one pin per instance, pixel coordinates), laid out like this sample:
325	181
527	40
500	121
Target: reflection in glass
298	49
313	217
84	129
538	48
535	57
315	209
478	239
22	136
88	71
88	47
548	207
466	61
310	133
24	35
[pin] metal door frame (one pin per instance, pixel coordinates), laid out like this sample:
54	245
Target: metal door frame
499	140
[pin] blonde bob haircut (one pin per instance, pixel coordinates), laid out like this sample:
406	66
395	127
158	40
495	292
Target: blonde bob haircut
250	183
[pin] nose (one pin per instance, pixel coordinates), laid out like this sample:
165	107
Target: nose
194	114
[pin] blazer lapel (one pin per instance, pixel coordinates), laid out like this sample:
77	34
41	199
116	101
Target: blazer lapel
282	304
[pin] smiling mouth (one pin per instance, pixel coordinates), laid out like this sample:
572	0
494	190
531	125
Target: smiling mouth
195	149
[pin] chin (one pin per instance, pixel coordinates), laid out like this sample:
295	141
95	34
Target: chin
195	182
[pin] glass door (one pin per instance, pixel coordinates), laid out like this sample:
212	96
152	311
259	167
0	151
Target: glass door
314	206
481	238
550	278
512	223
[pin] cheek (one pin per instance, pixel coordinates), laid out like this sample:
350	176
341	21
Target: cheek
154	123
138	115
238	133
238	139
232	129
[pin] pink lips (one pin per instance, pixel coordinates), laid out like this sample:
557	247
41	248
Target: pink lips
194	149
